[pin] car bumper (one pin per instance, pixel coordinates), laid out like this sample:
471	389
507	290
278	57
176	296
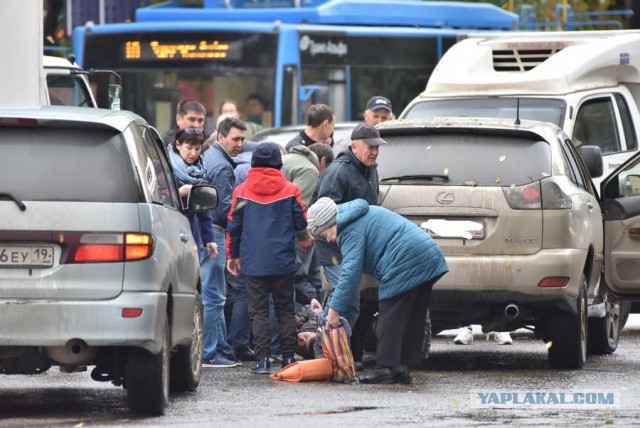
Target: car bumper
499	280
97	323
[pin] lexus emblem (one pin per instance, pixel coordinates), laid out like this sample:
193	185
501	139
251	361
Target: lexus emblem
445	198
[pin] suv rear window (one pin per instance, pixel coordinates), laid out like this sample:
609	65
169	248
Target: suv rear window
463	159
55	164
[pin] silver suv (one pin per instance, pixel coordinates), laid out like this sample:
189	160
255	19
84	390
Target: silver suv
98	265
515	212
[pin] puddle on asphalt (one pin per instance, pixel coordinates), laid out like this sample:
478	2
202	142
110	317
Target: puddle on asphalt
341	410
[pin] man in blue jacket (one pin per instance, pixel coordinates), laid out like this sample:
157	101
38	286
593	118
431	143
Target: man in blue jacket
402	257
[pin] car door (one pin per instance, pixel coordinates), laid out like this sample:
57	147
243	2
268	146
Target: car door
621	200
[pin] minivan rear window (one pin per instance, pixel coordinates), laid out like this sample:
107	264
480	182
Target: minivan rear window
65	164
466	159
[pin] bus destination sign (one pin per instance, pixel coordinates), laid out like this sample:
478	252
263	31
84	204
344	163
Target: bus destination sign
151	50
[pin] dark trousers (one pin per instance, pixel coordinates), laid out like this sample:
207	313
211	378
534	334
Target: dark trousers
400	328
281	289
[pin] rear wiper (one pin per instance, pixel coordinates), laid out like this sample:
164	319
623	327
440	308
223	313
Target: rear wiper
10	197
443	177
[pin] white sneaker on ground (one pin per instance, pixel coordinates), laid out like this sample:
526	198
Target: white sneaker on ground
465	337
502	337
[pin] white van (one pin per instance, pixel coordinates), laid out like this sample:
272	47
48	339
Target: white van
65	83
586	82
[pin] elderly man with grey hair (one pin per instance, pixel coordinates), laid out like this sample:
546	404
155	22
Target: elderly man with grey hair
406	262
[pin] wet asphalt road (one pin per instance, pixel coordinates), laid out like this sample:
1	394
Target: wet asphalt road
440	394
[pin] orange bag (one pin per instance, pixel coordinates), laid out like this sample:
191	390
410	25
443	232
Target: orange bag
320	369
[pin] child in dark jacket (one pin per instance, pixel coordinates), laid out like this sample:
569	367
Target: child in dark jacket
266	217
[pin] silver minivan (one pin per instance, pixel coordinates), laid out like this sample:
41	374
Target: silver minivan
514	210
98	266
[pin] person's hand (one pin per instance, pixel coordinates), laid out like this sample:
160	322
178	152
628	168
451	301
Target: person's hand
184	190
306	245
233	266
212	250
315	304
333	318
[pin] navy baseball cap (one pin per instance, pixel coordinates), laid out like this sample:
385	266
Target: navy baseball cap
377	102
368	133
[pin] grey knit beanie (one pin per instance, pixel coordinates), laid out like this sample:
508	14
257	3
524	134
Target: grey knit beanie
322	215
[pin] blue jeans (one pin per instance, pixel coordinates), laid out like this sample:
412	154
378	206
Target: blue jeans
240	325
332	274
213	298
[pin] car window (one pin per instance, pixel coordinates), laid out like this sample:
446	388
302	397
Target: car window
65	164
165	182
464	159
572	166
68	90
596	125
544	110
627	123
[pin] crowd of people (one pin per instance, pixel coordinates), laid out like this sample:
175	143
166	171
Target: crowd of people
298	236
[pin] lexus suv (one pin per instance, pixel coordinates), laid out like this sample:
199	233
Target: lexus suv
98	266
514	210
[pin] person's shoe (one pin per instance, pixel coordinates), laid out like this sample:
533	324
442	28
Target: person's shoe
401	374
465	337
275	358
382	375
503	338
219	362
359	366
287	360
262	366
244	353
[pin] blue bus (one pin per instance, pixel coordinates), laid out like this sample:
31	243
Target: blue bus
340	52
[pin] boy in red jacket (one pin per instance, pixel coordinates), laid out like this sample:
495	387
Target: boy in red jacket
266	217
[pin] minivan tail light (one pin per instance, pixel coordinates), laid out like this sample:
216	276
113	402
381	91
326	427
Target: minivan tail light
554	282
113	247
526	197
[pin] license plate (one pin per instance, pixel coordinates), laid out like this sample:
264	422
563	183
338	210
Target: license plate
465	229
36	256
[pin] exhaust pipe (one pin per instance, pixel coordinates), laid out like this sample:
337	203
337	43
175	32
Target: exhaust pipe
75	352
512	311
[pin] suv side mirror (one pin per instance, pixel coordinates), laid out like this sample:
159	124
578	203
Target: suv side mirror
592	157
202	198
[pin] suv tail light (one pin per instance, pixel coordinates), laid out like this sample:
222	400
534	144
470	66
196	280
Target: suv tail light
111	247
543	194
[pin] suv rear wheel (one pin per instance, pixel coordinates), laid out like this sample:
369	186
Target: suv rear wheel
148	378
186	363
568	334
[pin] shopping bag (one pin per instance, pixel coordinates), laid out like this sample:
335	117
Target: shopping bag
336	347
317	370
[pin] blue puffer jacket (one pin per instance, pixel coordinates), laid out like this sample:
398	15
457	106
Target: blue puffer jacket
379	242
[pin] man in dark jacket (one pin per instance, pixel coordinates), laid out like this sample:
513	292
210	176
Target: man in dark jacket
190	114
320	122
266	217
352	175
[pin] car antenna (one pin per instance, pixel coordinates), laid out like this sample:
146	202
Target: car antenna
517	122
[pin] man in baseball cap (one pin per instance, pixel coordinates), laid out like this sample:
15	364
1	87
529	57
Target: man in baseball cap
378	110
365	142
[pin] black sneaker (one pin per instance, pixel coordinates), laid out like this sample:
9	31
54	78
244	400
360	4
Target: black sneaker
262	367
244	353
287	360
382	375
401	374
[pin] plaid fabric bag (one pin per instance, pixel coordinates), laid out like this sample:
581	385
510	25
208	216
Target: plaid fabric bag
336	347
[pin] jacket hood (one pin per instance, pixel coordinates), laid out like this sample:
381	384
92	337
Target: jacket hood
350	212
265	181
244	157
308	154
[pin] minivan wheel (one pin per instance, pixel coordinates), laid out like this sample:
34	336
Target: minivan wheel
604	333
186	363
148	378
568	334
